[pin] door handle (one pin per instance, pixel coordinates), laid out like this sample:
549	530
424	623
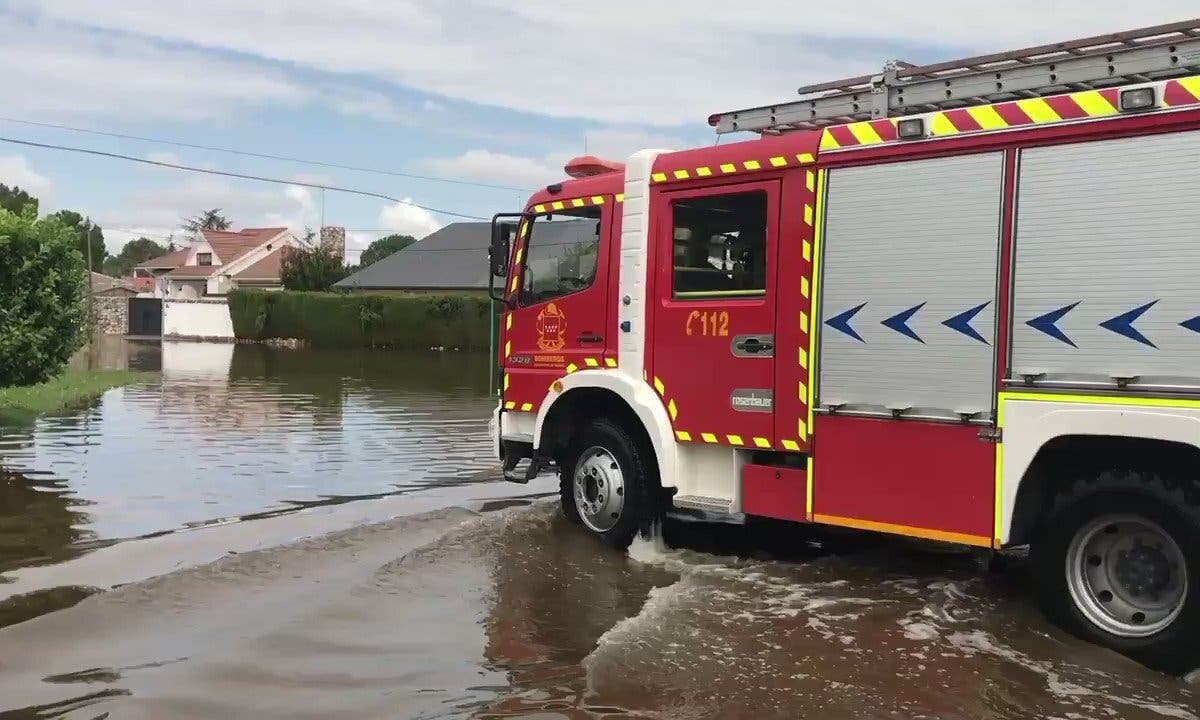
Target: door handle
754	346
588	337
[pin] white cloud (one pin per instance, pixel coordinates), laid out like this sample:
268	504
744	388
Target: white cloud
408	219
15	170
496	167
164	157
626	61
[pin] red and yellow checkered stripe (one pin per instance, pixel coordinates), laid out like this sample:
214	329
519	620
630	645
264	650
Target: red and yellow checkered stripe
570	203
773	162
1015	114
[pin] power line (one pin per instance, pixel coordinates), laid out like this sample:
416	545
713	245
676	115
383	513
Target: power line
261	156
241	176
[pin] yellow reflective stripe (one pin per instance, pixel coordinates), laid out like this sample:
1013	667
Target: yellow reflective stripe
864	133
611	362
507	348
818	238
998	528
808	214
620	197
926	533
683	435
806	250
802	390
728	168
509	405
505	381
597	199
681	175
524	230
1094	103
557	205
803	358
572	368
526	407
778	161
751	165
808	492
734	439
591	362
805	159
1100	399
658	385
939	124
791	445
828	142
703	172
539	208
508	322
1038	110
762	442
810	180
674	412
708	437
804	288
520	254
577	202
802	429
1192	85
658	177
803	322
987	117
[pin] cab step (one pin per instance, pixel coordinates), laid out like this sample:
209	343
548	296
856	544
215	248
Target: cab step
699	508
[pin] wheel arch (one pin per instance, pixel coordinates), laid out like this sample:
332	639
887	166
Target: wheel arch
1049	444
589	394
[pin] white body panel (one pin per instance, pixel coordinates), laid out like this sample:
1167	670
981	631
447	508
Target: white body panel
202	318
635	253
641	399
1031	421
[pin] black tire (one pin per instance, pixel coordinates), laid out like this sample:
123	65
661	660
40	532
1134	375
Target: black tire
637	468
1173	505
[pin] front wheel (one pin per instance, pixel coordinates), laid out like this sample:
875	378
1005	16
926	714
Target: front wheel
1117	564
606	485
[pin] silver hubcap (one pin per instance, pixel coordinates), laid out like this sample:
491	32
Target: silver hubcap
1126	575
599	489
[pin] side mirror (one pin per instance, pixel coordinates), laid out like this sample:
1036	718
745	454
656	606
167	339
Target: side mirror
500	247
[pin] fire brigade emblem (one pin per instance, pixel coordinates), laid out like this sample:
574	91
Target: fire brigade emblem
551	328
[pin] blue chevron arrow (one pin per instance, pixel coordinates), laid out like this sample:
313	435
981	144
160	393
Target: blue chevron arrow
962	322
1193	324
1123	324
842	322
1048	323
899	322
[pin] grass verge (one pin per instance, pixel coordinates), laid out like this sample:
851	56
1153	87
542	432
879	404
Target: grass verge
70	389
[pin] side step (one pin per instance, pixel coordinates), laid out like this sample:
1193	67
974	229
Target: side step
520	463
698	508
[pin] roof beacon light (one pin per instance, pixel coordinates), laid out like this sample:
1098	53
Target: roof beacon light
911	128
1135	99
589	165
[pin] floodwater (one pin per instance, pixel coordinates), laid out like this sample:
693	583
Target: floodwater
301	534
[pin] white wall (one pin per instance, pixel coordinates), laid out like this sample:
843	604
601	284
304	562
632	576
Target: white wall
208	319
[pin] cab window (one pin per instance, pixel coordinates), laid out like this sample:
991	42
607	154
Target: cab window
560	255
720	246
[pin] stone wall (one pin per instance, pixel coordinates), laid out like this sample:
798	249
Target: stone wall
112	314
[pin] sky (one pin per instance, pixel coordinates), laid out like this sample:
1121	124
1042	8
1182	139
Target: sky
497	92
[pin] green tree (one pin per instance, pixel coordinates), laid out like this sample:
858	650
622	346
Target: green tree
206	220
311	268
134	252
383	247
85	231
15	199
43	297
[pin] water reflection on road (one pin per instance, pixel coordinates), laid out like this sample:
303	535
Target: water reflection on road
463	606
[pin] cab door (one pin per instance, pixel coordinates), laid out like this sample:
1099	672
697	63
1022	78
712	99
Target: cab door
557	316
712	342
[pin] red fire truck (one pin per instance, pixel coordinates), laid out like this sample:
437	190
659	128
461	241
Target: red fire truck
958	302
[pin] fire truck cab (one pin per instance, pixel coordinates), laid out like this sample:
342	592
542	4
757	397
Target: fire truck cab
955	302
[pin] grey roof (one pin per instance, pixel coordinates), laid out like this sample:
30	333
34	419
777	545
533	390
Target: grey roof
455	257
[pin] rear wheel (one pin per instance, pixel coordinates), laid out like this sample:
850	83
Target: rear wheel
606	483
1117	564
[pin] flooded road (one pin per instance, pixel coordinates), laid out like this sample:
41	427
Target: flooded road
440	593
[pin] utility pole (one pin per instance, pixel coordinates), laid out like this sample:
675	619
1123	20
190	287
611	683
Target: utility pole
87	240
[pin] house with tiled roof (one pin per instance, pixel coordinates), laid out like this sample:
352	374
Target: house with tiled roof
219	261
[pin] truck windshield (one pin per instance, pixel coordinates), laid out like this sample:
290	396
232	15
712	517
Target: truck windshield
560	257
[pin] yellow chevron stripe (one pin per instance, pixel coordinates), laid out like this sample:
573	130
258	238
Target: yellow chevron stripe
810	180
591	362
804	358
597	199
526	407
658	385
940	125
577	202
806	250
1094	103
802	390
539	208
828	142
674	412
864	133
1192	85
778	161
572	368
683	435
728	168
703	172
507	348
505	381
520	254
805	159
752	165
557	205
804	322
508	322
802	429
620	197
734	439
791	445
708	437
681	175
804	287
524	230
762	442
1038	110
658	177
808	214
509	405
610	362
987	117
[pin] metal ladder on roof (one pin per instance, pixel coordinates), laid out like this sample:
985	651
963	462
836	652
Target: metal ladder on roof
1153	53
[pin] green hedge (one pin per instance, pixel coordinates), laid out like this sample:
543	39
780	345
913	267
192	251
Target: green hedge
362	320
